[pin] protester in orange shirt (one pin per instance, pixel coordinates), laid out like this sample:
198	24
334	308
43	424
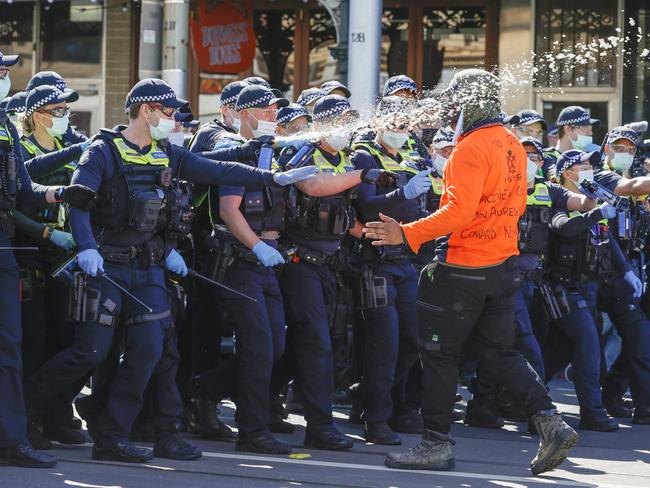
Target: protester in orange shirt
465	296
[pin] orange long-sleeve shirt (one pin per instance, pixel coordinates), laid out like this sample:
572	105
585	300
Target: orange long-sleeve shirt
484	196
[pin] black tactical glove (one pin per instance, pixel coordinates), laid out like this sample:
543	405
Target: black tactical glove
250	150
78	196
379	177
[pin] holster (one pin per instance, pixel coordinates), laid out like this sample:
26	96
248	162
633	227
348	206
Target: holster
374	289
83	300
555	300
221	257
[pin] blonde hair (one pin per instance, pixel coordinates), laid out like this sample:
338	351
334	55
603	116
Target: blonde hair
28	124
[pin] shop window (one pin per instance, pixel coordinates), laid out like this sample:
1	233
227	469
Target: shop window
16	33
568	40
453	39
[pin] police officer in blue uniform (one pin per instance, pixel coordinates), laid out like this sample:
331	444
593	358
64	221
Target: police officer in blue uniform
128	236
15	108
15	449
293	119
389	279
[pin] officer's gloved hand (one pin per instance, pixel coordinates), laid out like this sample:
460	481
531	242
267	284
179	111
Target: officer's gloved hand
636	284
91	262
294	175
176	264
418	185
607	211
379	177
79	196
84	145
293	142
250	150
268	256
62	239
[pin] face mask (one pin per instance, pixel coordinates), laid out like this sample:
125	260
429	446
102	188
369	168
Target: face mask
176	138
586	175
163	129
582	142
236	124
338	140
5	84
622	161
264	128
531	170
59	126
439	164
394	140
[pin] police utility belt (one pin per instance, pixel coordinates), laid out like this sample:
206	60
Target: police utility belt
150	253
379	254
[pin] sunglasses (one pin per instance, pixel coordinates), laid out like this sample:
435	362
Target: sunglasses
536	157
530	132
57	112
167	111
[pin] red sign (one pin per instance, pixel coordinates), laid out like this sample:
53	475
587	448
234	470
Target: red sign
222	38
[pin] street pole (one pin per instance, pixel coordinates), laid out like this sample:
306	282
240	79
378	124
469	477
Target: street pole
175	39
364	52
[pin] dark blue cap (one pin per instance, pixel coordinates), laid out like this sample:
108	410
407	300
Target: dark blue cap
309	95
44	95
331	106
4	102
257	80
17	102
572	157
509	119
329	86
443	138
8	60
51	78
231	91
191	123
291	112
552	129
575	115
622	133
533	142
399	82
527	117
153	90
258	96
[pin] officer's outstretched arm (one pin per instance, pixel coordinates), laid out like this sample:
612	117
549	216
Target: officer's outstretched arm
326	184
43	165
580	202
633	186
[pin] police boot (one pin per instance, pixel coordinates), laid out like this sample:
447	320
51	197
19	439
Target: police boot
641	415
171	446
278	425
616	407
599	422
329	439
36	437
124	452
479	415
434	452
207	424
410	423
64	434
380	433
25	456
555	440
264	443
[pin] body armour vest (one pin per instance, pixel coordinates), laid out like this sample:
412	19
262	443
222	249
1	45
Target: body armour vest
323	218
534	227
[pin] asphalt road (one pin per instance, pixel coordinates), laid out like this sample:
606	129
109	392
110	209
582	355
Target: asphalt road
484	458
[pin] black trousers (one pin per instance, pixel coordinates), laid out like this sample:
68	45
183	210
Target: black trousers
472	307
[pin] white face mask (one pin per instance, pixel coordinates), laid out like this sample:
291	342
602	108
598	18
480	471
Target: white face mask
163	129
236	124
59	126
176	138
582	142
622	161
338	140
264	128
531	170
5	85
586	175
394	140
439	164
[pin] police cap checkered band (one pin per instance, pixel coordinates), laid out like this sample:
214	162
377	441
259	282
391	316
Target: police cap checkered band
291	112
575	115
17	102
622	133
530	117
533	142
44	95
153	90
330	106
51	78
253	96
572	157
231	91
309	95
399	82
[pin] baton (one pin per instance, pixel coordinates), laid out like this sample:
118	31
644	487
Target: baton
193	273
126	292
18	248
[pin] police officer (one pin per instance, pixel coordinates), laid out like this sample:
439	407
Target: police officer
580	251
15	449
309	97
466	295
293	119
389	280
575	131
15	109
321	216
123	238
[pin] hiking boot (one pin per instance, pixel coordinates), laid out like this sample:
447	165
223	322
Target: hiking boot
433	452
555	440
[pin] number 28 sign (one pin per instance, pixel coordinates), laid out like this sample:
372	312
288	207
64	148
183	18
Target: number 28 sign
222	38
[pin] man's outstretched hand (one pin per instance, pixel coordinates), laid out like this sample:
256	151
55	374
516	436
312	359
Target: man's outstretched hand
388	232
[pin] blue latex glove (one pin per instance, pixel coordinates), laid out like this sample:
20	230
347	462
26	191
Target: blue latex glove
176	264
294	175
418	185
91	262
62	239
636	284
283	142
268	256
86	143
608	211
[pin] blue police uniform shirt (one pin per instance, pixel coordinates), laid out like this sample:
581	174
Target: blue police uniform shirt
97	165
209	137
609	179
72	136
